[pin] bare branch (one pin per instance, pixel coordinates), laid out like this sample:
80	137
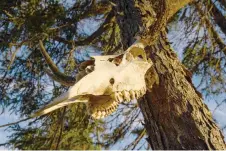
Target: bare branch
18	46
13	123
13	57
175	5
136	141
57	75
58	79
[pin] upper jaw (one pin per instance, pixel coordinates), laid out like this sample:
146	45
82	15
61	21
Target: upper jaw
104	105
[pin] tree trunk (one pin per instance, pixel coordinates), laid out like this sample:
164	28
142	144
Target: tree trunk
174	113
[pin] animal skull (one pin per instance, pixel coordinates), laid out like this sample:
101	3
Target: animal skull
113	81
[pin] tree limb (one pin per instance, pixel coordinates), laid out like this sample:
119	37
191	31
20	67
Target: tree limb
13	123
164	10
57	75
175	5
59	79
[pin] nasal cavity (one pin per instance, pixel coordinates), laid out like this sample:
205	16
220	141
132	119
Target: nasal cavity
140	56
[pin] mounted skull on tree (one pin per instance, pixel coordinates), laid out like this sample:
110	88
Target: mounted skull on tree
106	83
109	84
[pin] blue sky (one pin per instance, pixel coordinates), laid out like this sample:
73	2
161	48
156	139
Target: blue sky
175	35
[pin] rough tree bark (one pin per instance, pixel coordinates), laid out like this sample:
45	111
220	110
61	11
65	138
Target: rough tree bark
174	113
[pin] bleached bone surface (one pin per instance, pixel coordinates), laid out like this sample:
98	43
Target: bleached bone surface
111	83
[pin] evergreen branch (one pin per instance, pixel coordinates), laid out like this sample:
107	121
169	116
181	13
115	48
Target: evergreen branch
211	29
93	36
100	8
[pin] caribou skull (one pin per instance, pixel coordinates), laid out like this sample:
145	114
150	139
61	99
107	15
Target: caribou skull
115	78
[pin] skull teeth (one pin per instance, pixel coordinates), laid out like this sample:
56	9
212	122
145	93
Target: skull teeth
132	94
115	104
118	97
126	96
99	114
137	94
104	110
101	111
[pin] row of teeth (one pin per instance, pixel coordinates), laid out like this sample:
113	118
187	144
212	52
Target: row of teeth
101	113
124	96
127	96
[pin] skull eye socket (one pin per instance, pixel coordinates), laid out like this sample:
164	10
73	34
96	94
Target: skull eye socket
112	81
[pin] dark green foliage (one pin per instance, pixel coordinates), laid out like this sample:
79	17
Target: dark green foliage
205	53
70	131
24	85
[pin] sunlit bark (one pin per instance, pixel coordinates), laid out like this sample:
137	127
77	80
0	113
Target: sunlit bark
174	112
